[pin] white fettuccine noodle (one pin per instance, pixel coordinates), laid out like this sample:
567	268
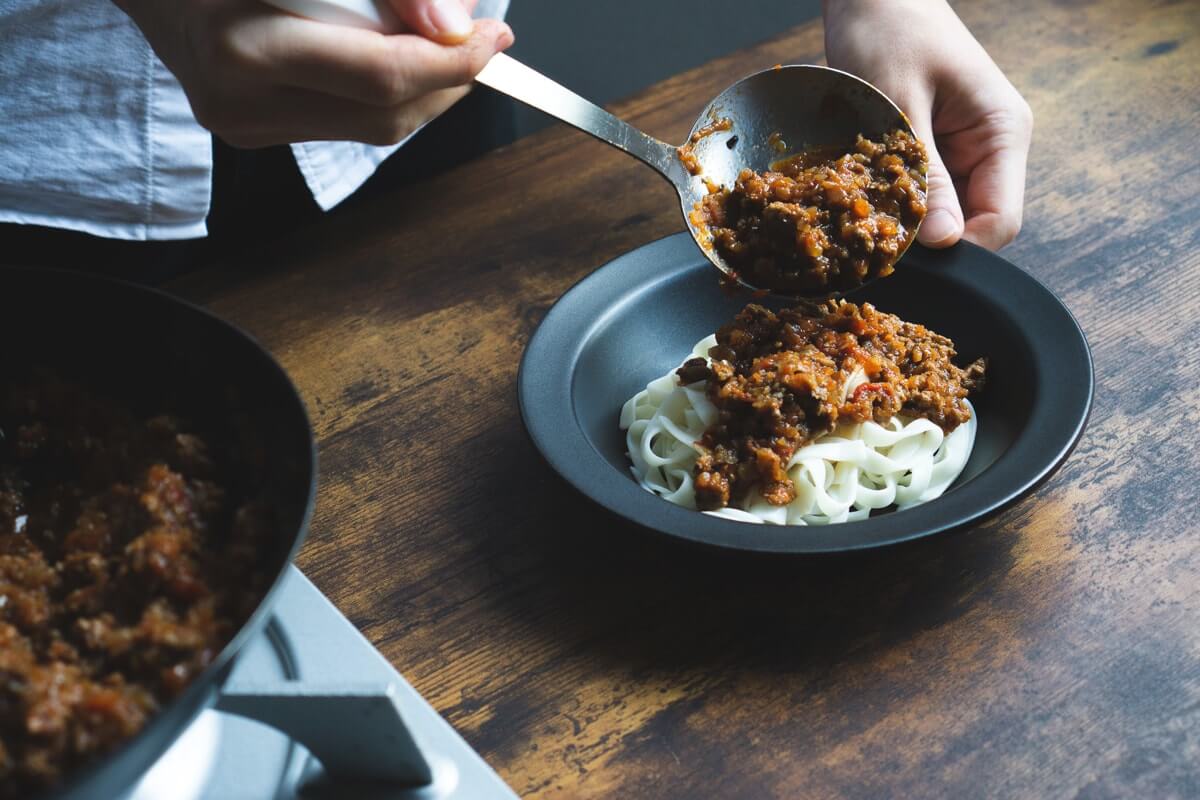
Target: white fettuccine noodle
843	475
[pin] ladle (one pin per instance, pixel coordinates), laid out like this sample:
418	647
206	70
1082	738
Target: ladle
784	109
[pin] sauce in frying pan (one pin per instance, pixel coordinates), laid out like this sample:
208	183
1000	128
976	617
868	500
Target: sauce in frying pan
126	564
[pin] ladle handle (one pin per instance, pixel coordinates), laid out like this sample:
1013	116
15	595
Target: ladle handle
509	76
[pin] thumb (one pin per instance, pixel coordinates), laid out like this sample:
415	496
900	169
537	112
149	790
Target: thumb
445	21
943	224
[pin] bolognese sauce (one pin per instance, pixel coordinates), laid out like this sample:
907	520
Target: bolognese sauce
822	221
687	153
126	564
780	380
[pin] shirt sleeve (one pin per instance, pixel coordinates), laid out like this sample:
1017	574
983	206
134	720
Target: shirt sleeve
335	170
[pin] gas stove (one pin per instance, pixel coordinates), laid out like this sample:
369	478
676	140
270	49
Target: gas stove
312	710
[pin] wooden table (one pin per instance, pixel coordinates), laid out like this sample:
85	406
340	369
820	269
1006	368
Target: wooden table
1052	652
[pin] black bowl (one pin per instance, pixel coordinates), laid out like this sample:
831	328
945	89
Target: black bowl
638	316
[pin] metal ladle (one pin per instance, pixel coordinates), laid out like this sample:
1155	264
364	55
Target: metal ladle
782	110
778	111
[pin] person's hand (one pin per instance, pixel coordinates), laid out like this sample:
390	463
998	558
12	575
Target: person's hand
256	76
974	123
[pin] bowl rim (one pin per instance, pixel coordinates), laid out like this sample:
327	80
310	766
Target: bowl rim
1061	370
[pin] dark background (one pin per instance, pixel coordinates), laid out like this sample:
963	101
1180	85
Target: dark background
609	49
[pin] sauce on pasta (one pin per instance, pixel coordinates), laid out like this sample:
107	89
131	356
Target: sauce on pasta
780	381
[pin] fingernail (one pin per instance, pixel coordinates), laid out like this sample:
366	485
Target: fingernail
939	226
451	19
505	40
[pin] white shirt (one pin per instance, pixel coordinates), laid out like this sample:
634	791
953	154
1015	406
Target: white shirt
96	135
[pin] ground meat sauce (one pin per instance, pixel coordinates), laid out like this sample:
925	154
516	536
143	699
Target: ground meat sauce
820	222
126	564
687	153
778	381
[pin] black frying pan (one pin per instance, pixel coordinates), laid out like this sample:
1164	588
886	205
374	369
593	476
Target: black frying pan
169	355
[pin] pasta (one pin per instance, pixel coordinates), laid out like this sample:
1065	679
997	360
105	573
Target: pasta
841	476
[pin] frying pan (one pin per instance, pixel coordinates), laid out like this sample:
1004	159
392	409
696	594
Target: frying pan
162	354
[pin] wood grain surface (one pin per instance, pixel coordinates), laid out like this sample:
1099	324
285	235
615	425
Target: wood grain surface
1050	653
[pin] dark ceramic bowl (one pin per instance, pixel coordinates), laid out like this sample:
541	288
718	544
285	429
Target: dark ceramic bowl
638	316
